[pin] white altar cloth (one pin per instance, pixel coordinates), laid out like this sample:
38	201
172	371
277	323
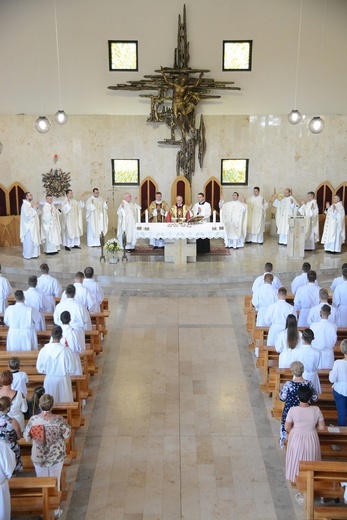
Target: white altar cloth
176	231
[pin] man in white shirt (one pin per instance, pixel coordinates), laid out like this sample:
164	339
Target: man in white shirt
325	337
97	218
50	227
72	224
339	279
80	317
234	216
257	207
314	314
301	279
276	284
276	316
285	209
94	286
334	226
306	296
5	292
128	216
49	287
263	297
202	209
309	210
21	321
30	234
340	301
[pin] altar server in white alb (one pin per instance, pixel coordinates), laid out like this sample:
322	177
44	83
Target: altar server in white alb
306	296
7	466
325	337
311	359
276	283
50	227
202	208
257	207
276	316
72	224
128	215
5	292
49	287
339	279
234	216
340	301
314	314
33	298
94	287
74	339
285	208
80	317
30	234
334	226
301	279
309	210
97	218
263	297
83	295
21	321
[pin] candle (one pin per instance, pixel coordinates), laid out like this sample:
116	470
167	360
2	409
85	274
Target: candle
220	215
138	215
214	216
146	216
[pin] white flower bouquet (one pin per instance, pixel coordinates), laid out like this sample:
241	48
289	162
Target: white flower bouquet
112	246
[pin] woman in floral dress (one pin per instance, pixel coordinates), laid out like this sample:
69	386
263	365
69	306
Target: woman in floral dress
10	431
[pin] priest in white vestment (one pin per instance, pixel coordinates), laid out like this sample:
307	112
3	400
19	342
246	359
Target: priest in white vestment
49	287
202	208
306	296
21	321
309	210
5	292
276	316
311	359
30	235
263	297
80	317
314	314
325	337
128	215
7	466
72	223
234	215
97	218
158	211
50	227
285	208
94	287
276	284
257	207
334	226
340	301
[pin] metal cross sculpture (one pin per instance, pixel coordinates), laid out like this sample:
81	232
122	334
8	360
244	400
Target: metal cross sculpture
178	91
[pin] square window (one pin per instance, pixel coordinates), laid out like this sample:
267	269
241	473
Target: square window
237	55
125	172
234	172
122	55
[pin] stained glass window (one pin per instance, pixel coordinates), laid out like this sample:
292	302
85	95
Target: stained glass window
125	171
123	55
234	171
237	55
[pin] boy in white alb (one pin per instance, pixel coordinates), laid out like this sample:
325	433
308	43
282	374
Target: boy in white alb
20	378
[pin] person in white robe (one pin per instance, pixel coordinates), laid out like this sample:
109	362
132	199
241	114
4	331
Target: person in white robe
310	211
30	235
72	223
257	207
49	287
306	296
263	297
57	363
339	279
97	218
334	226
234	217
285	208
72	338
20	378
50	227
325	337
314	314
340	301
157	212
21	321
94	287
33	298
5	292
83	295
311	359
276	316
202	208
80	317
287	342
128	215
276	284
7	466
301	279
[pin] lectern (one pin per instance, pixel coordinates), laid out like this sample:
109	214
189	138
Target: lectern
296	237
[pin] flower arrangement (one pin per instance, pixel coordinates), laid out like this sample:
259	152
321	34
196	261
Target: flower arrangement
112	246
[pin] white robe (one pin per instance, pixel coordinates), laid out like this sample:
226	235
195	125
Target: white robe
285	210
5	292
203	210
21	334
287	355
336	281
7	465
57	362
19	406
80	317
334	228
325	338
310	212
257	207
311	359
30	230
72	224
33	298
127	219
50	289
314	314
20	381
74	339
96	289
276	282
50	228
83	296
97	220
340	302
306	296
275	318
234	215
263	297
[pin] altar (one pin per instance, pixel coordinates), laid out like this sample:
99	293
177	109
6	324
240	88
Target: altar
180	239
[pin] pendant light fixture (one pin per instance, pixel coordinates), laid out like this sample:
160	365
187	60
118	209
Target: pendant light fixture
60	117
294	117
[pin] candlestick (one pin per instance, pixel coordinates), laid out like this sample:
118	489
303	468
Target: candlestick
214	216
146	216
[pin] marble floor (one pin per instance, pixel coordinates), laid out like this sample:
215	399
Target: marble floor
177	427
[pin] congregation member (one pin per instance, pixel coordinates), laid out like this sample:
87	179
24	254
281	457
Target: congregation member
179	210
57	363
7	466
127	213
301	279
50	227
74	339
325	337
18	401
287	342
263	297
310	357
339	279
256	217
49	287
21	321
310	211
72	223
30	234
314	314
20	378
157	212
276	283
83	295
80	318
338	376
5	292
202	208
306	296
97	218
285	208
340	301
234	216
94	287
276	315
10	432
334	226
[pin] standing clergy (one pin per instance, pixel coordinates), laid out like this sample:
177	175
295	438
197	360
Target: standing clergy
334	226
285	209
309	210
157	212
234	218
5	292
257	207
202	209
97	218
21	321
7	466
49	287
72	225
50	227
179	210
128	214
30	227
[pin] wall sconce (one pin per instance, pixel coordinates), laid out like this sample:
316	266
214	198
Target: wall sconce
55	158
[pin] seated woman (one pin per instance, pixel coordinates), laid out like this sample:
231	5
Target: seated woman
18	401
289	394
287	341
10	432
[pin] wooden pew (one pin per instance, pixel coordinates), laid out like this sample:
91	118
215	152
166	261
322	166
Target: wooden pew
98	320
327	439
34	495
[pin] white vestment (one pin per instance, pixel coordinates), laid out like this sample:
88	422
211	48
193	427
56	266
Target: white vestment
72	224
334	228
80	317
310	212
299	281
50	289
97	219
340	302
234	214
306	296
50	228
7	465
20	381
275	318
74	339
21	334
325	338
263	297
34	299
287	355
5	292
285	210
336	281
203	210
83	296
96	289
311	359
257	207
127	218
57	362
30	230
276	282
314	314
